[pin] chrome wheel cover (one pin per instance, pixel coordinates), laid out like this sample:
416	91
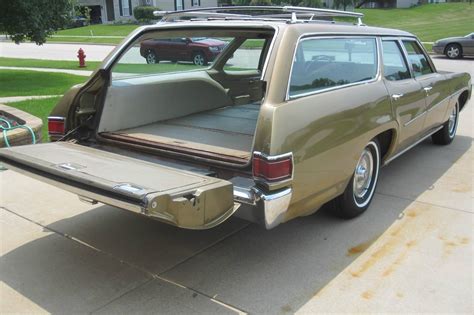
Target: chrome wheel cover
453	121
198	60
363	174
453	52
366	175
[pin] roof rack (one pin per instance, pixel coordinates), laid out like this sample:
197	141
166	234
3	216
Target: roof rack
277	13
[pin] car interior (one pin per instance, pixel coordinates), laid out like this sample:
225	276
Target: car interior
210	110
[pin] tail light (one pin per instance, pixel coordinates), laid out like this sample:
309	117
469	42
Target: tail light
272	168
56	126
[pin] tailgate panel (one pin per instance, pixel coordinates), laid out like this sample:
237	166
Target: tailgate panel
179	197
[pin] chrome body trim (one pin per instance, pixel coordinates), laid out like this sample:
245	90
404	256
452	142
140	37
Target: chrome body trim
305	37
56	118
274	157
433	107
412	145
414	118
441	102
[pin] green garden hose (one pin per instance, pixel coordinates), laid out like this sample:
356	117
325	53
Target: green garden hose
10	127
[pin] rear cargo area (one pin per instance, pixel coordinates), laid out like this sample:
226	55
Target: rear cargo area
208	111
186	112
227	131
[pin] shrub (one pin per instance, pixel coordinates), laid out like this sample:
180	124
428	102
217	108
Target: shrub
261	2
143	12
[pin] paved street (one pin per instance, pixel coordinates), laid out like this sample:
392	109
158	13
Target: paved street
412	251
54	51
242	58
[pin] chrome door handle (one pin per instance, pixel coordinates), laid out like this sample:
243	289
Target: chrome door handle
396	97
428	88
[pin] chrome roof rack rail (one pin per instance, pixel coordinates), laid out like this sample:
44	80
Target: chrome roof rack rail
256	13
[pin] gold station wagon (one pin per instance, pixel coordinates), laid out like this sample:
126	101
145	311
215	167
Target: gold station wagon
295	111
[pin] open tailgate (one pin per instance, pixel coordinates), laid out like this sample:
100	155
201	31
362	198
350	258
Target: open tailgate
182	198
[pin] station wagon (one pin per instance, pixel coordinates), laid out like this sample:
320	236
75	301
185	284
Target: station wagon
295	112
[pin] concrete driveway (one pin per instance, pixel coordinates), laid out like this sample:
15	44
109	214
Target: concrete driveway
412	251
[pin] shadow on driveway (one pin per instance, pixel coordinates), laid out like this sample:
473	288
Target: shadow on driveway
240	264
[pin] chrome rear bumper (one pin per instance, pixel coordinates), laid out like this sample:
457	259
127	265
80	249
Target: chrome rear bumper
270	207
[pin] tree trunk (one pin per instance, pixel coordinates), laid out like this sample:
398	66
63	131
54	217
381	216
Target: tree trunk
358	5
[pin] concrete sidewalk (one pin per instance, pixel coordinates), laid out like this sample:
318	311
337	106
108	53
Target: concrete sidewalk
12	99
53	51
85	73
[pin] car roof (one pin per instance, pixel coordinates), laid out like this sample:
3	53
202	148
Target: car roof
301	28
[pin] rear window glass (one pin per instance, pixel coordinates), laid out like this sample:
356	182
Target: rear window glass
324	63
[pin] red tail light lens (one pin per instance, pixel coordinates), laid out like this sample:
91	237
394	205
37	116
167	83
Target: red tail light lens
56	125
272	168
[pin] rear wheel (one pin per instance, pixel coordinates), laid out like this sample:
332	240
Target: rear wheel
199	59
448	132
150	57
360	190
453	51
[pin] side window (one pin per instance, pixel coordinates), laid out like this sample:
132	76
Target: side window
417	59
247	56
394	65
324	63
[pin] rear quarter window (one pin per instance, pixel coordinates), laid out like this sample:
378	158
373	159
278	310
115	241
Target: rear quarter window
322	63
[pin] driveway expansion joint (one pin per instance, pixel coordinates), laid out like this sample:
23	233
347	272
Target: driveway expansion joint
423	202
152	276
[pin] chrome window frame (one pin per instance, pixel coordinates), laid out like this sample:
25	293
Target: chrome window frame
423	50
341	36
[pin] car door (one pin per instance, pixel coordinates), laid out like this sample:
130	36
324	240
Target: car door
185	199
436	89
468	44
406	94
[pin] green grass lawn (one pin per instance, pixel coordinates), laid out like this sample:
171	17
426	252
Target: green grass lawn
40	63
91	40
429	22
24	83
100	30
39	108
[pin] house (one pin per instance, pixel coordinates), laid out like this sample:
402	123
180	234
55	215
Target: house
107	11
399	3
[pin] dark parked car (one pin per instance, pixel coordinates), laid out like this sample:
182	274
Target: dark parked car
199	50
455	47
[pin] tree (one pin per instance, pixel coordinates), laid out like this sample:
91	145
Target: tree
343	3
260	2
33	20
310	3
